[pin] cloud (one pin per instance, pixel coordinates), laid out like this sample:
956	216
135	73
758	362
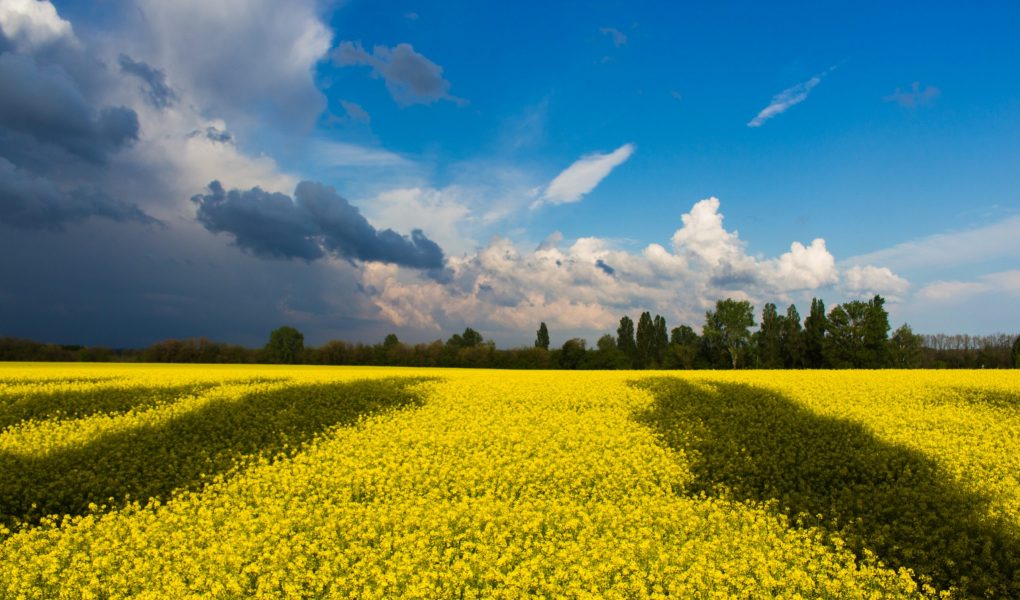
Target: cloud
583	287
915	96
225	54
33	24
791	96
316	222
410	77
870	280
581	177
957	292
31	202
46	104
973	246
618	37
355	112
157	91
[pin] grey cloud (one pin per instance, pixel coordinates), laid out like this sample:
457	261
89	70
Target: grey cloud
915	96
45	103
214	134
316	221
31	202
601	264
410	77
157	92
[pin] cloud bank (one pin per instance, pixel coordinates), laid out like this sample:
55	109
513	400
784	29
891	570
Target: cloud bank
585	286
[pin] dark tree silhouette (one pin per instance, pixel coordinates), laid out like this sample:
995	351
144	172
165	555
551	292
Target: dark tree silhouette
542	337
625	339
285	345
815	327
645	341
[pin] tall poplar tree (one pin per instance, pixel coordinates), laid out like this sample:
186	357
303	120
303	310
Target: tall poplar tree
815	327
542	337
625	339
769	338
645	341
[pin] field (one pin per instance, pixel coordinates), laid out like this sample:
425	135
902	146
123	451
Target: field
172	481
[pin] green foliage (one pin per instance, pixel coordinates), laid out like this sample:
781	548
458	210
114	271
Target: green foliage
542	337
858	335
727	328
625	339
1016	353
684	345
645	355
769	338
815	327
469	339
750	443
660	340
905	350
572	354
285	346
791	340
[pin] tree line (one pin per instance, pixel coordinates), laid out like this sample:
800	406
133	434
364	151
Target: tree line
854	334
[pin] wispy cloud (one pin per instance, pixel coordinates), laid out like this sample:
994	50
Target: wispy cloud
581	177
791	96
915	96
619	38
973	246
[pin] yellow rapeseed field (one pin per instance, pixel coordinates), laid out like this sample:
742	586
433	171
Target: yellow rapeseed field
239	481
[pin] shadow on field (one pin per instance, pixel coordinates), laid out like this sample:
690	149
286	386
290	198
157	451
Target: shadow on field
156	461
831	473
74	404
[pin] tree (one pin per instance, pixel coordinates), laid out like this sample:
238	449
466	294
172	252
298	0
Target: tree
607	355
727	328
391	341
876	335
905	350
645	341
791	340
684	346
660	340
815	327
285	345
573	353
542	337
1016	353
625	339
469	339
845	343
769	338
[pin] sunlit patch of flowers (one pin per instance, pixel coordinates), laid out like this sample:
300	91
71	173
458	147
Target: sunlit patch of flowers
500	484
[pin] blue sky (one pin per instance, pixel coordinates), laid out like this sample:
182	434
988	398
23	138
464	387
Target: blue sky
686	147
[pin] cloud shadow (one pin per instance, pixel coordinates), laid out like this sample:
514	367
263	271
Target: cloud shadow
156	461
754	444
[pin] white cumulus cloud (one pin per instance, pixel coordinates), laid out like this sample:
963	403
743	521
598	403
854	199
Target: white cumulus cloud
32	24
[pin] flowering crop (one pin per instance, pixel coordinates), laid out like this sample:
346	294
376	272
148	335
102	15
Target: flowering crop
292	481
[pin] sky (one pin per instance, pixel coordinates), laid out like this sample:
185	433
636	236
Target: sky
218	169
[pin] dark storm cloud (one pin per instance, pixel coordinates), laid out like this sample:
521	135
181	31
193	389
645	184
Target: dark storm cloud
31	202
316	221
601	264
410	77
45	103
156	90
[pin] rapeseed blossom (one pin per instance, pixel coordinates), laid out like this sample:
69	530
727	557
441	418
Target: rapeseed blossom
461	483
